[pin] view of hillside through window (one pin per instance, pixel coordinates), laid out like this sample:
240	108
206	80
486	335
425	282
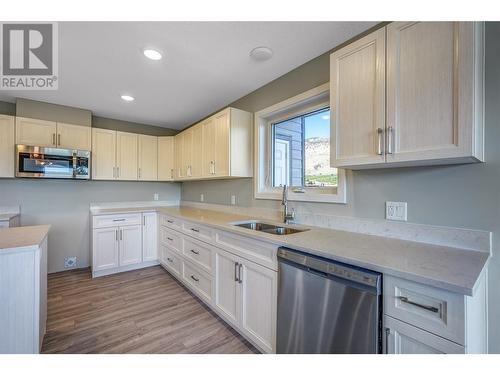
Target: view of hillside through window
301	151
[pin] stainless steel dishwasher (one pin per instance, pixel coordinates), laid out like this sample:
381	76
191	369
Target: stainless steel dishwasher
326	306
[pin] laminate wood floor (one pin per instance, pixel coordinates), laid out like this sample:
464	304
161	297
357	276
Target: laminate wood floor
142	311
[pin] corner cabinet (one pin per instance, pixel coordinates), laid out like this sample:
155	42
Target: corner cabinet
218	147
409	94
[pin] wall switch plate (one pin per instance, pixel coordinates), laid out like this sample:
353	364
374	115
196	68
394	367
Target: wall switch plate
70	262
233	200
202	197
396	211
155	196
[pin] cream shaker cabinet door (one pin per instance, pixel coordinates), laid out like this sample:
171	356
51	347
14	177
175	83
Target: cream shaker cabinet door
75	137
357	102
208	147
7	146
227	288
196	151
222	129
148	158
178	139
166	158
130	238
187	149
402	338
259	295
103	154
105	248
430	90
126	156
34	132
149	236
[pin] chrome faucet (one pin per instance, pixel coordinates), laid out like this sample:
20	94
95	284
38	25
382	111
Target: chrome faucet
287	216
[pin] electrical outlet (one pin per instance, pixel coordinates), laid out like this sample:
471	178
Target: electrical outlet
70	262
233	200
202	197
396	211
155	196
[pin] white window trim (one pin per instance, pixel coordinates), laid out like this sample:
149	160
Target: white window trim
308	101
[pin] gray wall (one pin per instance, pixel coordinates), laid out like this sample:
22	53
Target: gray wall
64	204
459	196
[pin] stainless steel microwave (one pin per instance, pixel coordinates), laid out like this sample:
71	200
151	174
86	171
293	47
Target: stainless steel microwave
48	162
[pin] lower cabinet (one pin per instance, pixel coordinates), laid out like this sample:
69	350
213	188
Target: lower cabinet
241	291
403	338
123	242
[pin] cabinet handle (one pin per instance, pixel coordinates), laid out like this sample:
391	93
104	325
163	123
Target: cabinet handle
170	239
170	221
236	271
240	270
116	234
390	134
194	278
119	219
121	234
117	172
425	307
211	167
139	172
387	334
172	173
195	252
214	167
144	220
195	230
380	133
170	260
54	139
59	139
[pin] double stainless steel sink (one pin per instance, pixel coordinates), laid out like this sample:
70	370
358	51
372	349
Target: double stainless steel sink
269	228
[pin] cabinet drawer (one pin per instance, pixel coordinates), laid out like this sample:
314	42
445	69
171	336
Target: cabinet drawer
171	222
172	261
102	221
199	253
260	252
170	238
198	280
198	231
434	310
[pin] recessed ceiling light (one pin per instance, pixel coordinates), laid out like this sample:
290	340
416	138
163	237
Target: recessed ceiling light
152	54
261	53
128	98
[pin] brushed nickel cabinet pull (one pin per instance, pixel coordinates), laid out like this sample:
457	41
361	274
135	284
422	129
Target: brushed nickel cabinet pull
121	234
195	252
195	230
194	278
380	138
170	260
240	270
170	239
59	139
139	172
54	139
236	271
387	334
390	136
425	307
170	221
116	234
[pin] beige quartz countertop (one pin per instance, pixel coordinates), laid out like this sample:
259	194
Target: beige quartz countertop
22	237
453	269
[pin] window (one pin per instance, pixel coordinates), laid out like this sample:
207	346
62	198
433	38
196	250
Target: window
301	151
292	148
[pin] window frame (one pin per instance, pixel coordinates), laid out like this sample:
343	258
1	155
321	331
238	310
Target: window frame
309	101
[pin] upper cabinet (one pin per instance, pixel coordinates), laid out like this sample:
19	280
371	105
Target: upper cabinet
34	132
148	158
165	158
409	94
7	146
114	155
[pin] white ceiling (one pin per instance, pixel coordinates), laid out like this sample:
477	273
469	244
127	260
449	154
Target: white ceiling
206	65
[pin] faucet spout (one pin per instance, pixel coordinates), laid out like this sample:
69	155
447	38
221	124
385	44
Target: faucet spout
287	216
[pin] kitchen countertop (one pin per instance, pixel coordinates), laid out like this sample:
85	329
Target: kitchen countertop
453	269
22	237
